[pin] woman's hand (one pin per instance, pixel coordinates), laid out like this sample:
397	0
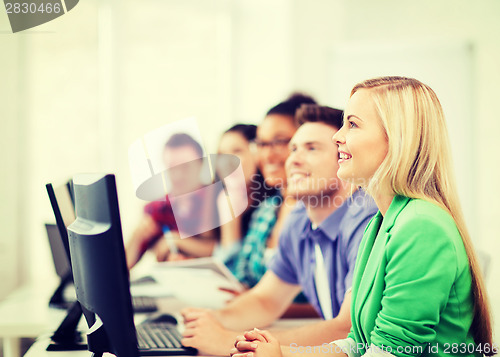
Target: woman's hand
256	343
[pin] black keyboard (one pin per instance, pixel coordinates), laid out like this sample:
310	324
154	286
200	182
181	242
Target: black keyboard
144	304
161	338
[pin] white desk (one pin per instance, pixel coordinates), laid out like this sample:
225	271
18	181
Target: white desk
39	347
25	313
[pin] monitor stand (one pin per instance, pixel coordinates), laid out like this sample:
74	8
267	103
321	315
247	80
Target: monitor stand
66	337
98	340
57	299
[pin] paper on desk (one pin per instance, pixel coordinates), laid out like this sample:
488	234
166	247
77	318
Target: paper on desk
196	287
151	289
208	263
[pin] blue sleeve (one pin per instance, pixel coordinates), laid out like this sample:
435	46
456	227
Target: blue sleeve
281	264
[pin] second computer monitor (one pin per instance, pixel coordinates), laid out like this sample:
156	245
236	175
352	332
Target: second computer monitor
99	266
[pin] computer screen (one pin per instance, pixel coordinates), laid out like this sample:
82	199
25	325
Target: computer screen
64	213
99	267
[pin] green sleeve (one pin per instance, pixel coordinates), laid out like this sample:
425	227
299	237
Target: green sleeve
421	269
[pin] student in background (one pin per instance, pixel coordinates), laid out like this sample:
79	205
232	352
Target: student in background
417	288
238	140
317	248
183	159
273	135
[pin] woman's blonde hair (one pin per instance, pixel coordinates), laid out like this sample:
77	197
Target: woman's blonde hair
418	165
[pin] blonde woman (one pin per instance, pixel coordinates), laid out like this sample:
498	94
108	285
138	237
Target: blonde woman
417	289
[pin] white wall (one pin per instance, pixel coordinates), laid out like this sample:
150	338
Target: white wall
77	91
12	125
53	95
262	56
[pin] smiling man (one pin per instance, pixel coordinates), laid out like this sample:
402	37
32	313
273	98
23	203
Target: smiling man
316	253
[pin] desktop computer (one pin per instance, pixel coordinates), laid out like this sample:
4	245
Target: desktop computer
101	277
63	206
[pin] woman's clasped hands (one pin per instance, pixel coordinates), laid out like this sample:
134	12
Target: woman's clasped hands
256	343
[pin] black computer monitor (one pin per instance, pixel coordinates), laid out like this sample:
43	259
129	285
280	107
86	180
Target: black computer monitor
66	337
99	267
64	213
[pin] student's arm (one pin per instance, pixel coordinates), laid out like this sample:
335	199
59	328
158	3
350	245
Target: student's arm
146	232
192	247
259	306
199	246
321	332
214	332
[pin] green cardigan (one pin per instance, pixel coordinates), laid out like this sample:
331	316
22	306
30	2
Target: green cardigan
412	284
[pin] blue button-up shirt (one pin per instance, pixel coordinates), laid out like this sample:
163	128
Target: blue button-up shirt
338	236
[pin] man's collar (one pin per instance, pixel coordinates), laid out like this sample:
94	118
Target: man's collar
330	225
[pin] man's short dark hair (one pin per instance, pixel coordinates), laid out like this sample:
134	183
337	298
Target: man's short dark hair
182	139
313	113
